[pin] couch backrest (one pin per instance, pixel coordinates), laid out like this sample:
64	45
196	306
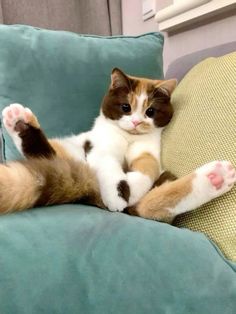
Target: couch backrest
63	76
179	67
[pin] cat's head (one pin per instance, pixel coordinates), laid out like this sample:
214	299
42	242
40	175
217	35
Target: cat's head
138	105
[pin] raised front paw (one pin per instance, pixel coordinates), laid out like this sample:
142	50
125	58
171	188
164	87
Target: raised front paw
216	178
16	118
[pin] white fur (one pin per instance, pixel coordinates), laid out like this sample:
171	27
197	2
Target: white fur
112	145
10	123
111	149
139	184
74	146
125	122
145	143
202	189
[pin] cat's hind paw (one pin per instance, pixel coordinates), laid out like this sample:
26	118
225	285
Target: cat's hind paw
15	118
217	177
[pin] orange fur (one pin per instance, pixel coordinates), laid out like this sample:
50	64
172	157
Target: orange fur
59	149
38	182
155	204
34	121
18	186
57	178
146	164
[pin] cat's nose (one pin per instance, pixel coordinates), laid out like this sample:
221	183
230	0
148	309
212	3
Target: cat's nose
136	122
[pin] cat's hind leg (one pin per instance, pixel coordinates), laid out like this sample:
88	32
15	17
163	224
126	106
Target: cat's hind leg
165	202
23	127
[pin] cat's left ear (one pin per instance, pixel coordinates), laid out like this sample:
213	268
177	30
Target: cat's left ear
168	86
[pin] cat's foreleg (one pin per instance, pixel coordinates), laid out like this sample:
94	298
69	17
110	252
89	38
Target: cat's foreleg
165	202
24	129
144	170
114	188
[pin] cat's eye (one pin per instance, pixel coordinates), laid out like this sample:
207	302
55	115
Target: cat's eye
126	107
150	112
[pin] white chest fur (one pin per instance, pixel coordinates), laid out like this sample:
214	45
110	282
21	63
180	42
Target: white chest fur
108	138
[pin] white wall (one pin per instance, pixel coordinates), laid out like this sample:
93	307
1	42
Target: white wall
220	30
133	23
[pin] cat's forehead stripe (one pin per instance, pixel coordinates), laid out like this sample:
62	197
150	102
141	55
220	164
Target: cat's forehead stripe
141	87
144	86
141	101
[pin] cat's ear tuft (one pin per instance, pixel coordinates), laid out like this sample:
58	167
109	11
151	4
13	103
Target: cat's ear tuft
118	79
168	86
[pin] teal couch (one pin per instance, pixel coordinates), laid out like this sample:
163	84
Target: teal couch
78	259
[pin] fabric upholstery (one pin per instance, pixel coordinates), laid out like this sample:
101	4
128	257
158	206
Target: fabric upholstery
203	129
179	67
101	17
66	75
76	259
79	259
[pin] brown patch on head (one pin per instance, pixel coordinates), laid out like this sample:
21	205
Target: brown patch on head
118	94
125	89
123	190
87	147
159	102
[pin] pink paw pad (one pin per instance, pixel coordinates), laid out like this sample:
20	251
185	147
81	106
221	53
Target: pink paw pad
219	177
216	179
13	114
16	111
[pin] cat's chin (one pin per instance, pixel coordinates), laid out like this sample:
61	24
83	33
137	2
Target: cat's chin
136	132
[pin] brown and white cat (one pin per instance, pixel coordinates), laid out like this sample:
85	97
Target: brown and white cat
113	166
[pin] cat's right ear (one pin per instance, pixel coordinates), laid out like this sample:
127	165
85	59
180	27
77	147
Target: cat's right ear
119	79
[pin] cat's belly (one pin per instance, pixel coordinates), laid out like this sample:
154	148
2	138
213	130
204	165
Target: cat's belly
75	146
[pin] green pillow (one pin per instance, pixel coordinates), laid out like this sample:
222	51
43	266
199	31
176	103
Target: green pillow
73	259
63	76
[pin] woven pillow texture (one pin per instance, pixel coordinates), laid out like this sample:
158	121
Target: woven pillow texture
204	129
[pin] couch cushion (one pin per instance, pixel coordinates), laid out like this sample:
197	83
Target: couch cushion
63	76
76	259
203	129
